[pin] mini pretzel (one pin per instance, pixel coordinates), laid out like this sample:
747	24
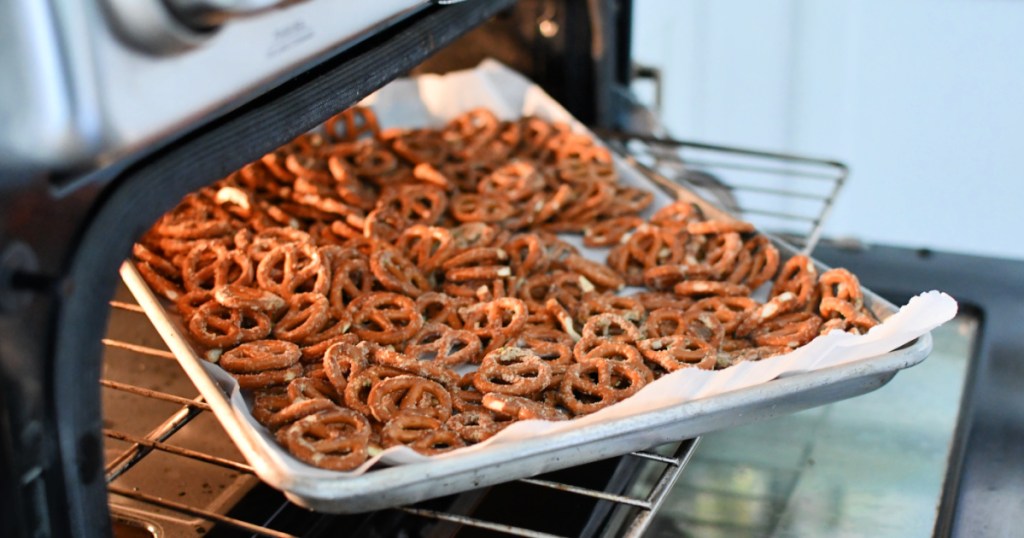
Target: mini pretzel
594	384
619	352
246	298
611	327
299	409
293	268
385	317
403	393
352	124
335	440
471	207
268	378
415	203
495	321
609	232
551	345
357	390
841	284
475	426
798	276
216	326
731	311
515	181
526	254
707	288
396	273
511	370
596	273
306	316
341	362
352	278
708	227
676	215
521	408
426	246
606	303
667	321
435	307
675	352
444	345
756	263
482	263
788	330
780	304
260	355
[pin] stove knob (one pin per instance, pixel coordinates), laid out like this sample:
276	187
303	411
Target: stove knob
165	27
205	14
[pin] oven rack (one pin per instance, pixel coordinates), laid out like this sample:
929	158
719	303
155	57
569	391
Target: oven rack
626	512
786	194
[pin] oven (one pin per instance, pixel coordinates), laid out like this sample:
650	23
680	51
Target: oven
101	432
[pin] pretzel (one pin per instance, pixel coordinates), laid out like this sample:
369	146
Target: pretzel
396	273
341	362
706	288
798	276
471	207
435	307
594	384
247	298
482	263
611	327
756	263
667	321
619	352
495	322
299	409
789	330
675	352
259	356
306	315
515	181
335	440
521	408
677	215
475	426
402	393
384	317
352	278
357	390
293	268
606	303
511	370
351	124
216	326
526	254
730	311
426	246
268	378
594	272
450	347
609	232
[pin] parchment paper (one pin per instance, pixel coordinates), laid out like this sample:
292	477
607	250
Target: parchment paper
431	100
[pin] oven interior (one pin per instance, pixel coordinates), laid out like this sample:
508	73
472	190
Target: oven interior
143	435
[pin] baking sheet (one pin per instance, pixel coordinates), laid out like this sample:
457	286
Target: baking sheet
430	101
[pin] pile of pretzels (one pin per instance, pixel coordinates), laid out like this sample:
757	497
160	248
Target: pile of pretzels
376	287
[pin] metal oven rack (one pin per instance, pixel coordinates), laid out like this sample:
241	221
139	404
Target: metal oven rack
172	471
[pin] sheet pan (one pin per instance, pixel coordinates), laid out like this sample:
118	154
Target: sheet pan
684	404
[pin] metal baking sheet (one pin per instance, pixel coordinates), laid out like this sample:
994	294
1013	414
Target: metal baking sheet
685	404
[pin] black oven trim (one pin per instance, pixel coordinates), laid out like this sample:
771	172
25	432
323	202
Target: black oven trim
101	215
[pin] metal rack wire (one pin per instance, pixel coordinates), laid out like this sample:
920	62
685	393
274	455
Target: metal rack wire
160	430
781	193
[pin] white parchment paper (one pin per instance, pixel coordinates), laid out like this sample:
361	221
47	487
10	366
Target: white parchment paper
431	100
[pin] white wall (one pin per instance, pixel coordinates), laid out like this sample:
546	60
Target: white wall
924	99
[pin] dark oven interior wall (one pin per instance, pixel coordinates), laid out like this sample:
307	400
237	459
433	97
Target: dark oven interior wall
69	235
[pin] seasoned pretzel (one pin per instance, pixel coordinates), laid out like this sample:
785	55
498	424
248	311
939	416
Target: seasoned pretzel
306	316
594	384
756	263
611	327
495	322
216	326
426	246
293	268
445	345
472	207
596	273
609	232
522	408
385	317
247	298
511	370
620	352
352	278
436	307
335	440
789	330
259	356
396	273
798	276
707	288
675	352
341	362
357	390
405	393
475	425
